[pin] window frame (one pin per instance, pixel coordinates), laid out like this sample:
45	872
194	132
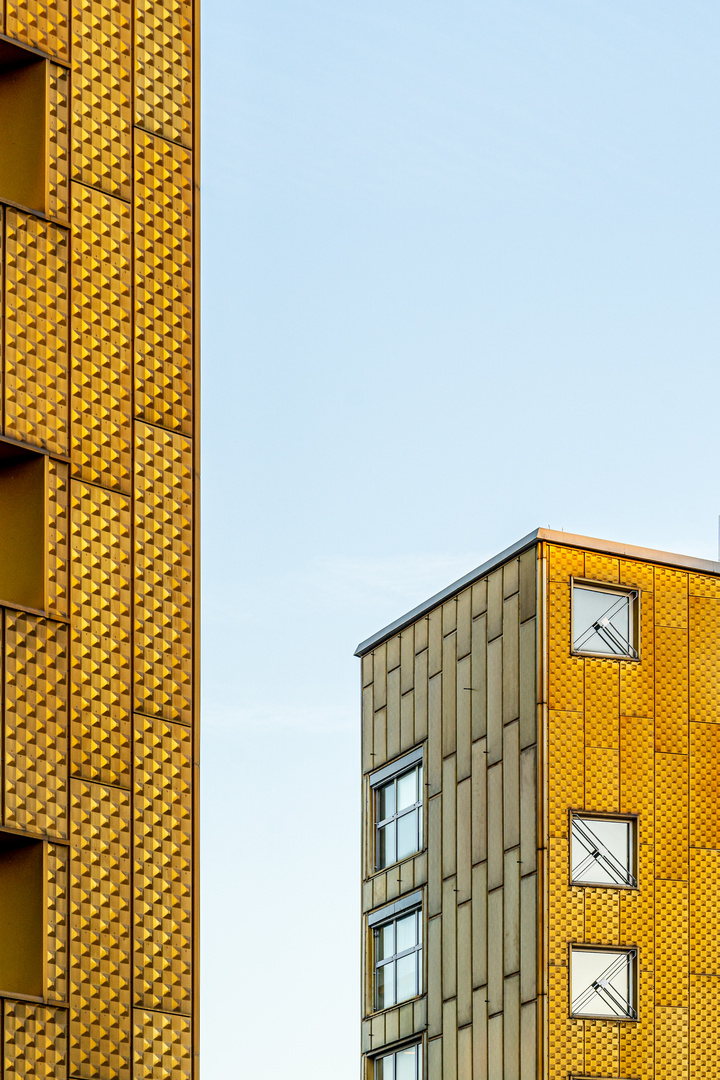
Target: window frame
385	916
390	1051
634	981
380	778
600	815
632	592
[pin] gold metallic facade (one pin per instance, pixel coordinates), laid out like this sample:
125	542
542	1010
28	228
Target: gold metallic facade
99	378
518	731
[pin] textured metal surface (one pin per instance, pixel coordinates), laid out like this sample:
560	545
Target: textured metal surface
56	940
163	283
163	574
162	1046
705	659
102	95
163	865
57	515
36	331
102	338
35	1041
100	634
42	24
163	68
602	1047
100	933
58	136
36	724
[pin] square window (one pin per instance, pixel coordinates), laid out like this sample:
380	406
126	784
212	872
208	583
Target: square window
405	1064
398	801
604	621
22	526
603	982
398	958
23	153
602	851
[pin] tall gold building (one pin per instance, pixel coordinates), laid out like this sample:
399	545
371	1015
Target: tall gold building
541	843
98	614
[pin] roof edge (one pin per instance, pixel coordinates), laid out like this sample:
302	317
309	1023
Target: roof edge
610	547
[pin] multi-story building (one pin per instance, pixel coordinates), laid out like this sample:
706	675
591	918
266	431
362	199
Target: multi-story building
98	459
541	842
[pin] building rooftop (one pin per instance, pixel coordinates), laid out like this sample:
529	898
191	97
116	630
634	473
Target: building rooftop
607	547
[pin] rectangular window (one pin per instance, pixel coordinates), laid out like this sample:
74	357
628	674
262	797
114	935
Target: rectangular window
22	915
22	526
603	851
603	983
397	951
23	108
398	799
604	621
405	1064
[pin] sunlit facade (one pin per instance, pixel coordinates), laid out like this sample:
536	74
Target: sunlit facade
552	720
98	553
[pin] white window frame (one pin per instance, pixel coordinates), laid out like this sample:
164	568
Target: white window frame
632	871
391	774
633	596
392	1052
377	921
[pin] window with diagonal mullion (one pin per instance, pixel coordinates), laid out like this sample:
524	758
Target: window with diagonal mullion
602	983
604	622
602	851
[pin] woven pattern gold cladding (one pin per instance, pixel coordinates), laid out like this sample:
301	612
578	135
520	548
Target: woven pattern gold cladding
163	863
162	1046
163	283
100	940
58	197
163	567
36	331
102	337
35	1041
36	737
58	493
100	669
102	95
56	939
40	23
163	72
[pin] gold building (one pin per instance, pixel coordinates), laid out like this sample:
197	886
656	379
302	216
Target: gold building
541	842
98	618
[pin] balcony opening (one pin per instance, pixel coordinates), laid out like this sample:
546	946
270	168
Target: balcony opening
23	99
22	912
22	526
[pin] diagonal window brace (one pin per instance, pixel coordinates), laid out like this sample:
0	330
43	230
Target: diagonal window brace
603	987
600	854
606	630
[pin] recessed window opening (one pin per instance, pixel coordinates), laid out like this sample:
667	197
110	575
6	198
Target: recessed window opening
22	526
602	983
604	621
398	959
602	851
398	812
22	910
405	1064
23	96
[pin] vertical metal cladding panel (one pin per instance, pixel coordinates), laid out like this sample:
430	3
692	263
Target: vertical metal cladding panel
162	1046
40	23
36	331
704	1027
56	940
705	659
602	1048
671	1044
671	690
101	95
566	768
565	672
101	411
704	912
35	1041
163	574
602	703
58	494
36	724
163	68
163	194
100	937
671	944
162	811
704	786
58	135
566	1041
637	1041
671	816
100	634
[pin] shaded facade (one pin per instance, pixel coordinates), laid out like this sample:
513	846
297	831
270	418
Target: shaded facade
98	553
559	709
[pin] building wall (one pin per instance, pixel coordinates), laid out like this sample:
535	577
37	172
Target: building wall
639	738
99	697
463	682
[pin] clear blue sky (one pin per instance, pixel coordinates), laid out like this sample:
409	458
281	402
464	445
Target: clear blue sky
461	278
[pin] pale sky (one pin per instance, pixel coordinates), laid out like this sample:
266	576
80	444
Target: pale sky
461	279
